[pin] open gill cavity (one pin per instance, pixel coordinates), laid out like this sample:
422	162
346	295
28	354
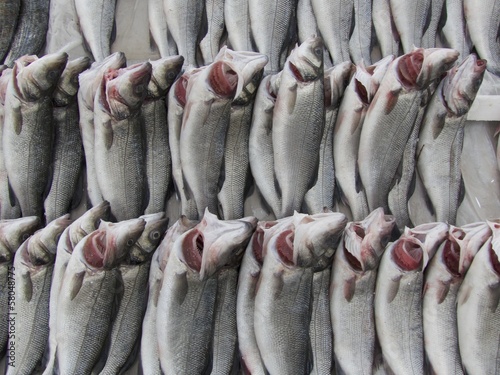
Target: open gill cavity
451	256
495	263
257	241
95	249
409	68
407	255
296	72
223	80
284	246
348	252
192	248
180	90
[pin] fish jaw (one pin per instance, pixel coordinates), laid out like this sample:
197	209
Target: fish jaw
156	225
14	232
42	247
306	60
470	238
436	62
431	235
88	222
68	84
164	73
94	250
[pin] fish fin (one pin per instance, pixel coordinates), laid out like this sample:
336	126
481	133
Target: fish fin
392	290
108	134
464	294
461	191
392	100
280	284
17	120
437	126
494	298
76	283
26	286
181	287
443	290
12	196
292	99
357	180
349	288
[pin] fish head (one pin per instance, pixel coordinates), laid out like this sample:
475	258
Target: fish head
335	81
120	237
13	232
377	72
4	83
362	84
67	87
305	62
95	252
316	239
126	89
436	62
408	254
280	245
156	225
175	231
257	240
431	235
43	244
470	238
462	83
88	222
408	68
277	226
164	73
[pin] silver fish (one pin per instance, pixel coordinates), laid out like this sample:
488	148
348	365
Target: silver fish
31	30
298	122
354	274
211	43
477	309
306	20
361	38
159	30
321	195
434	16
237	21
385	29
8	18
154	111
410	20
67	154
443	279
96	21
33	266
441	137
28	129
119	153
455	33
71	236
90	82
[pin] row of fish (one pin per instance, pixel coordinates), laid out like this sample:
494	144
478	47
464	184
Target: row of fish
300	295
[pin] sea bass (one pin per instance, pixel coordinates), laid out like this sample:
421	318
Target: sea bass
385	29
211	43
8	17
237	21
159	30
455	33
410	20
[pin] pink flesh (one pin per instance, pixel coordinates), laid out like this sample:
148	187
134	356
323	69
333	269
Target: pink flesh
407	255
257	241
494	261
409	68
180	90
223	80
94	251
351	259
451	256
284	245
458	233
296	73
192	248
361	90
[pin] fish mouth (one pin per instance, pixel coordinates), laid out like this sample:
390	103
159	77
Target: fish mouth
223	80
451	255
407	254
409	68
95	250
284	246
192	248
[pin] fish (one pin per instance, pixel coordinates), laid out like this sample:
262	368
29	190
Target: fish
67	152
87	295
176	101
96	22
184	20
90	81
431	235
236	155
211	43
361	37
70	237
273	30
150	358
385	29
189	292
354	274
9	207
204	126
477	309
237	21
13	233
347	131
9	18
159	29
298	123
28	129
410	20
134	273
444	276
321	195
455	33
154	111
441	137
482	22
260	146
32	273
434	16
392	116
341	14
119	152
306	20
31	29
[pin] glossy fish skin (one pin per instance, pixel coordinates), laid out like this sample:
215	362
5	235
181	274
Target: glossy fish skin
67	153
90	82
306	21
70	237
154	111
260	143
441	137
454	31
9	207
477	310
96	21
237	21
119	153
211	43
272	24
443	279
410	19
361	38
9	13
385	29
482	22
435	10
298	122
159	30
33	264
28	129
12	234
354	273
321	195
31	30
150	358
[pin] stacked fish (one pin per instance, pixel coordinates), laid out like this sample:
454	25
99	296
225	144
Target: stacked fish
305	294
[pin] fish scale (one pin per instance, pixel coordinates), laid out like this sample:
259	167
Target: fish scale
361	38
9	11
455	31
385	30
210	44
237	20
410	20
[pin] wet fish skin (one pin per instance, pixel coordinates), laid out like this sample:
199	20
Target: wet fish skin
119	140
67	153
154	111
33	266
298	122
210	44
159	29
385	29
237	21
28	126
361	38
31	30
90	81
410	20
96	23
306	21
9	14
435	10
354	274
454	31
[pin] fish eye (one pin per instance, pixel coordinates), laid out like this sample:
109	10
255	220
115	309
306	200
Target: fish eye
25	236
52	75
139	89
155	235
130	242
170	76
318	51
